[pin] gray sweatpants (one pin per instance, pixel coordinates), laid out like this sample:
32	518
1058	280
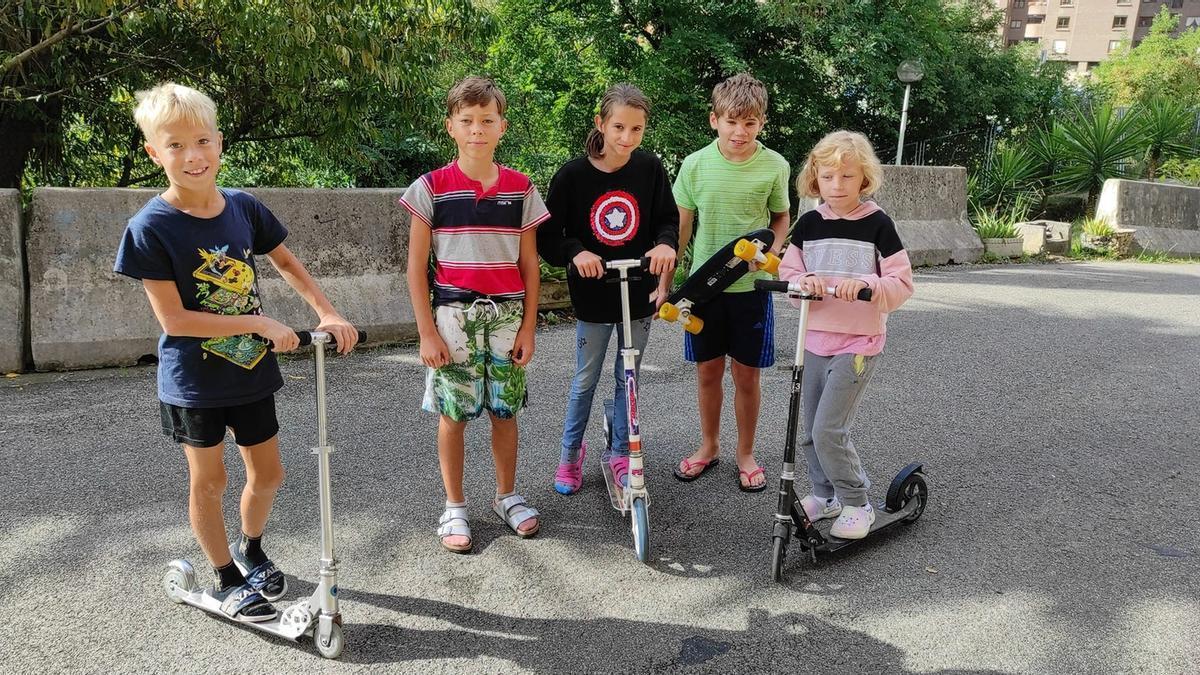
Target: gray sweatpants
832	388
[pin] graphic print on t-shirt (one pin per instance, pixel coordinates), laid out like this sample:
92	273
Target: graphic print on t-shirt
234	294
615	217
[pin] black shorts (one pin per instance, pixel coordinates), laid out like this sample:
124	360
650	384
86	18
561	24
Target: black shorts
740	325
252	423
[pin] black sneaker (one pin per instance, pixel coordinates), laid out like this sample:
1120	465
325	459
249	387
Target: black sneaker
266	578
243	603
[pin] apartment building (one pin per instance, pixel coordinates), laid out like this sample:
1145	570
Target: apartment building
1085	32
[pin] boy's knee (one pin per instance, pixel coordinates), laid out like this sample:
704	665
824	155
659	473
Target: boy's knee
267	481
746	378
710	373
209	485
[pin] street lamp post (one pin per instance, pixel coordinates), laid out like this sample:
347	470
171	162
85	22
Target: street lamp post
908	72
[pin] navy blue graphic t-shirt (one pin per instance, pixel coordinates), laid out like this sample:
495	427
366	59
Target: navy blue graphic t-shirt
211	261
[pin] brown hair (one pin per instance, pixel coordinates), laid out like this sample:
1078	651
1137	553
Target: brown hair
740	96
472	91
832	150
618	94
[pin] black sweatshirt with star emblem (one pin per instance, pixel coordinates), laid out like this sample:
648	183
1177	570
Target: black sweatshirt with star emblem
615	215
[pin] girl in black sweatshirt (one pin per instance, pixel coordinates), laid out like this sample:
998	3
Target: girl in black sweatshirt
611	204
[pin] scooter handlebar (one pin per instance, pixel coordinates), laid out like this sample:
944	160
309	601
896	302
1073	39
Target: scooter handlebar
611	266
307	337
786	287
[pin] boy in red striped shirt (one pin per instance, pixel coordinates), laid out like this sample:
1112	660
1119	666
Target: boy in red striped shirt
479	219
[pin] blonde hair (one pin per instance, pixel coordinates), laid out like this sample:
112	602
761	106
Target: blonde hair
740	96
618	94
833	151
169	103
473	91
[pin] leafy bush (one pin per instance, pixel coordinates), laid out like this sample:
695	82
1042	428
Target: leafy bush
1185	171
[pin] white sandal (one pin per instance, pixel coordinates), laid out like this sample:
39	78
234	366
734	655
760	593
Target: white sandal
454	523
514	511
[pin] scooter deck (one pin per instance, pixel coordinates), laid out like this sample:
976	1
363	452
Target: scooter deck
883	520
291	622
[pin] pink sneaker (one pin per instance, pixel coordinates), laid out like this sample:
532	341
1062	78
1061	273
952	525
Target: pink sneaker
569	476
619	464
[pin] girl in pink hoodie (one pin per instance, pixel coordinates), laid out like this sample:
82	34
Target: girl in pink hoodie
846	244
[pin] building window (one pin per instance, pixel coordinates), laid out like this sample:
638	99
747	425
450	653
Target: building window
1018	3
1032	39
1064	22
1119	22
1013	43
1066	3
1113	45
1176	4
1192	21
1015	23
1145	21
1060	46
1123	2
1034	19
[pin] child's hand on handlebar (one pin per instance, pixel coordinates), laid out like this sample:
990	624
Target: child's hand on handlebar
345	334
281	337
848	289
588	265
662	259
812	285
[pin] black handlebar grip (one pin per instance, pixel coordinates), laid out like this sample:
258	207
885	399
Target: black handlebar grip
306	338
771	285
646	263
865	294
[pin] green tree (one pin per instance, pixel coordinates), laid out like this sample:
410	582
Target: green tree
1161	65
279	70
826	64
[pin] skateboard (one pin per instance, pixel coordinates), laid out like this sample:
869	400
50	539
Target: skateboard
716	274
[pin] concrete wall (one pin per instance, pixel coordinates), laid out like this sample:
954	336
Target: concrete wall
929	205
1166	216
12	278
354	242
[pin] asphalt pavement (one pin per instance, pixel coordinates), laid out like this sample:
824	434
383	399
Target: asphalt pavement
1054	407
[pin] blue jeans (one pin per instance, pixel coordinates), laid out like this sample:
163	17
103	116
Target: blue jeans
591	346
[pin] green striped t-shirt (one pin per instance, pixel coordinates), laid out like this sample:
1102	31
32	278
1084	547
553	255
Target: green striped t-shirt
730	199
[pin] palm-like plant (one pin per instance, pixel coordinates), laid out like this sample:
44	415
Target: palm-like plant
1167	125
1012	175
1096	147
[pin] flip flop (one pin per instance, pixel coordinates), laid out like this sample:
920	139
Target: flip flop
688	464
746	487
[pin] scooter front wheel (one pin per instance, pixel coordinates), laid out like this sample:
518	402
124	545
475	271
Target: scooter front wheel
778	557
641	529
329	642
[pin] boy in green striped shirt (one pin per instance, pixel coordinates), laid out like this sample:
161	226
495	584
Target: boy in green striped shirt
729	188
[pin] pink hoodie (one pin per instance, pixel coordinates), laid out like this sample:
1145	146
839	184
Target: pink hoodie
862	245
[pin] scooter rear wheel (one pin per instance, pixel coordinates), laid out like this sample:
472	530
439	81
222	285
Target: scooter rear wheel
914	487
179	581
641	529
778	557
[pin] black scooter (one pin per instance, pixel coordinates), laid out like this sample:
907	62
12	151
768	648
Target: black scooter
906	496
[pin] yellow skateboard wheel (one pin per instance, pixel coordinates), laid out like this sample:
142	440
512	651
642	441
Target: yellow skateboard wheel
745	250
772	264
668	312
693	324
